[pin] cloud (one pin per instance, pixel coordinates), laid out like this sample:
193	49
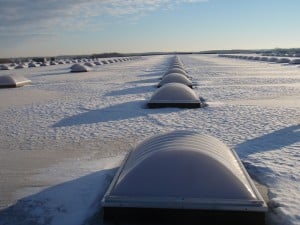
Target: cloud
41	16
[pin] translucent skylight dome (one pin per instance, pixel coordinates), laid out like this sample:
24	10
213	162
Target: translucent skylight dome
175	95
9	81
264	58
31	64
284	60
176	70
273	59
4	67
177	67
90	64
20	66
190	157
175	78
77	68
97	63
177	64
44	64
295	61
183	170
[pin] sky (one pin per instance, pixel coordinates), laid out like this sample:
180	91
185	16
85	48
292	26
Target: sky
66	27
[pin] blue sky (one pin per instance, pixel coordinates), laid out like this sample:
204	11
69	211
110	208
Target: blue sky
56	27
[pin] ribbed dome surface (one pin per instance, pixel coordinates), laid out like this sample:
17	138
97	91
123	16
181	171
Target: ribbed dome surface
174	92
183	170
175	78
183	164
176	70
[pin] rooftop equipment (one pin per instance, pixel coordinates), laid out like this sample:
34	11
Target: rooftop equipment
9	81
184	174
78	68
175	78
176	70
175	95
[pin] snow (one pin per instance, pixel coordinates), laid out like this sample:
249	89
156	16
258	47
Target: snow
62	137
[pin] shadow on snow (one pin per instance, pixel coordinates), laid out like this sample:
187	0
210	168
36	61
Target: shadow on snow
71	202
275	140
117	112
150	80
132	90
